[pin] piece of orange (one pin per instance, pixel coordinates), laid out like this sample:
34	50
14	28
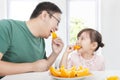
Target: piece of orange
55	72
70	73
54	35
63	71
114	77
83	72
77	47
80	68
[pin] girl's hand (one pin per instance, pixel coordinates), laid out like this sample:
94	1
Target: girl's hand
57	45
69	49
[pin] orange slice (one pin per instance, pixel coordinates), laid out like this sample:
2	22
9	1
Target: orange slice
83	72
55	72
70	73
54	35
113	78
77	47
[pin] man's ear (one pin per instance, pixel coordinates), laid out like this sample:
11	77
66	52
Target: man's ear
44	15
94	45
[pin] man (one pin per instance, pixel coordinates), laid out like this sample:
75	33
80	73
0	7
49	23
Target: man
22	47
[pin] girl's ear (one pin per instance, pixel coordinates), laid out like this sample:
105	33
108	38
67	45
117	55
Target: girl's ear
94	45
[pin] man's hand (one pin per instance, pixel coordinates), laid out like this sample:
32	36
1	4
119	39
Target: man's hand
40	65
57	45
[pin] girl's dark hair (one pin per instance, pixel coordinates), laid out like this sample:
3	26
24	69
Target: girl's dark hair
47	6
95	36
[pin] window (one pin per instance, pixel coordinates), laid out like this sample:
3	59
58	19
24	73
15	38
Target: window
82	13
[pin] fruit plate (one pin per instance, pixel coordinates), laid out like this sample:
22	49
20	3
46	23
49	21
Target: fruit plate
75	78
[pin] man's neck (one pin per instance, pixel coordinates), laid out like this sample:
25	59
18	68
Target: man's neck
34	27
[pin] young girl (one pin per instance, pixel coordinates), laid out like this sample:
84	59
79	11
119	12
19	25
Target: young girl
89	40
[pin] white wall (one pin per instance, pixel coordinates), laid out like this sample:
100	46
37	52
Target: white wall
3	10
110	22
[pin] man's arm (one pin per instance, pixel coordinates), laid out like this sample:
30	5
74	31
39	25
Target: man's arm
7	68
57	46
44	64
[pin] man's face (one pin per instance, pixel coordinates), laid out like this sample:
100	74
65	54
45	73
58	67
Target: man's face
56	18
53	22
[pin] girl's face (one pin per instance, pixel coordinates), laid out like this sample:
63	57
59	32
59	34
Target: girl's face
85	42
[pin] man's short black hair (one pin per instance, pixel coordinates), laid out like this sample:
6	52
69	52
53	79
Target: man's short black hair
47	6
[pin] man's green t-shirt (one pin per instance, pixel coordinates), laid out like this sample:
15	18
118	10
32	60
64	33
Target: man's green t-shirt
18	44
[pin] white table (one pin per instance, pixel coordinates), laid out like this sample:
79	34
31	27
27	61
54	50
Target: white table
97	75
29	76
102	75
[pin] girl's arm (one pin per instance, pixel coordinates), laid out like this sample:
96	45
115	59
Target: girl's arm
64	59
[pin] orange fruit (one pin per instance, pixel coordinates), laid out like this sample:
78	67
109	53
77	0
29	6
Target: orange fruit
77	47
63	71
70	73
80	68
113	78
55	72
73	68
83	72
54	35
